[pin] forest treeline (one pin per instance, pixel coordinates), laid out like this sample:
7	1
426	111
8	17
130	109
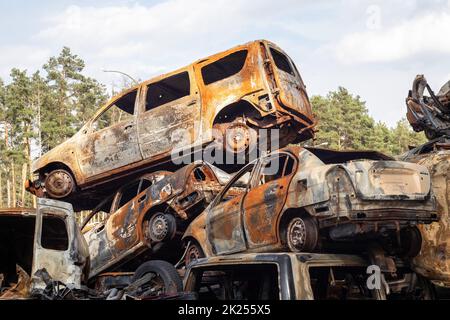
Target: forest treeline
41	109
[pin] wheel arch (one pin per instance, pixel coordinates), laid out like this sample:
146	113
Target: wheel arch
236	109
58	165
285	217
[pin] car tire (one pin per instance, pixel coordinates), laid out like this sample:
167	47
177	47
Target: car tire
193	252
302	234
162	227
166	276
59	184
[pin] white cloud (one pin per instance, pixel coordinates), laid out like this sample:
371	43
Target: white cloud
21	57
418	35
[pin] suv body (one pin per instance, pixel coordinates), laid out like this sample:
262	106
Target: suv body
280	276
44	243
305	199
252	86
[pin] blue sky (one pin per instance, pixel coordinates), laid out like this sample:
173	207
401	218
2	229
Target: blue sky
373	48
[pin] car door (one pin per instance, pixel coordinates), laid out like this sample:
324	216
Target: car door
224	224
59	248
266	198
110	240
110	141
170	117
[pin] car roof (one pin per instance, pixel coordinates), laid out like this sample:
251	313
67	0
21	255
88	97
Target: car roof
318	259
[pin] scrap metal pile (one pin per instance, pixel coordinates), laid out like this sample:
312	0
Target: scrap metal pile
207	195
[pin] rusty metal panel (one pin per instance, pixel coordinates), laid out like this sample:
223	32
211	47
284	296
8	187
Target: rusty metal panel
261	210
224	227
434	259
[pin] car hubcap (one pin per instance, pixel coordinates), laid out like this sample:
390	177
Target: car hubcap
192	254
59	184
238	138
159	228
297	234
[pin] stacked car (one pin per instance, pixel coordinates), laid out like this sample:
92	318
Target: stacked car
291	217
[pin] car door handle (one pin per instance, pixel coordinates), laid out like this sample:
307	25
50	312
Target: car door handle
192	103
129	127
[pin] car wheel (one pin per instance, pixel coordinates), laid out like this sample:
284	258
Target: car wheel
410	241
163	279
193	252
162	227
430	134
59	184
302	234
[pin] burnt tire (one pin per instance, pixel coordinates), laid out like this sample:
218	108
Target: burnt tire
302	234
193	252
166	281
162	227
59	184
410	242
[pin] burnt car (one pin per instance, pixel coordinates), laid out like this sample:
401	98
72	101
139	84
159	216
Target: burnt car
299	276
147	217
433	261
38	245
43	255
431	114
226	97
292	200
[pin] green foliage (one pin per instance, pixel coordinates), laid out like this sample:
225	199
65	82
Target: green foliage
42	110
72	99
344	123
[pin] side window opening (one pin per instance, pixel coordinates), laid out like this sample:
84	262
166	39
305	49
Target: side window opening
145	184
168	90
54	233
276	168
121	110
237	282
199	175
339	283
225	67
282	62
239	186
128	194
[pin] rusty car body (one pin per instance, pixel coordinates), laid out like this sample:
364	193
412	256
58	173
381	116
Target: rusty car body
297	276
250	87
41	244
432	115
433	260
147	218
305	200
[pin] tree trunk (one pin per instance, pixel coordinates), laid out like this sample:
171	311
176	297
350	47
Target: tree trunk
24	177
13	184
8	192
1	190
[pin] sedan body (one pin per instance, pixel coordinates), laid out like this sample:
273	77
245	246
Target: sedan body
292	200
149	215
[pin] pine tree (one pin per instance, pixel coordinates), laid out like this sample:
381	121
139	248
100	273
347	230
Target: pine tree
73	98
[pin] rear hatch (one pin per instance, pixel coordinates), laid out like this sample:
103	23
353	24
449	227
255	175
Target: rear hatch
292	91
391	180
